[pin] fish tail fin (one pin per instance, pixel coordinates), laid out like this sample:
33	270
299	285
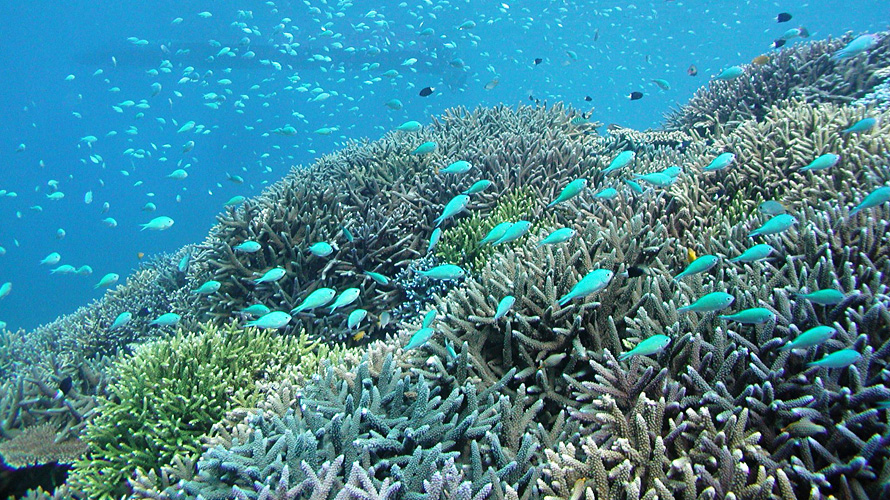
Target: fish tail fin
624	356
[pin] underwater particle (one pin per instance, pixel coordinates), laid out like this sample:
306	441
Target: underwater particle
810	338
711	302
877	197
272	275
634	96
504	307
783	17
595	281
699	265
838	359
775	225
652	345
426	91
571	190
444	272
273	320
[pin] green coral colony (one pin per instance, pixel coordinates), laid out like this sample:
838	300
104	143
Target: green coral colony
548	342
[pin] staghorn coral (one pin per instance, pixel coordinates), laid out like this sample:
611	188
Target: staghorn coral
391	426
804	71
169	393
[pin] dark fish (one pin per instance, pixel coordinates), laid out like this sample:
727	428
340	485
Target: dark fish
64	387
637	271
588	98
783	17
635	95
596	34
426	91
538	61
692	71
778	42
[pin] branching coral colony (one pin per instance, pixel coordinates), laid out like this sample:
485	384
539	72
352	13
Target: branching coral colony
566	357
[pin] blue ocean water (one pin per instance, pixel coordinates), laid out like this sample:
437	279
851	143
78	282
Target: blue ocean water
601	51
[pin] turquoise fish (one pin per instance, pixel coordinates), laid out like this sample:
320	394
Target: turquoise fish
863	125
775	225
571	190
753	316
730	73
256	310
457	205
345	298
877	197
514	232
378	278
208	288
271	275
428	319
419	338
319	298
649	346
607	194
478	187
458	167
434	238
722	161
273	320
355	318
823	162
168	319
810	338
837	359
121	320
620	161
321	249
107	280
711	302
248	246
444	272
659	179
699	265
410	126
504	307
158	224
755	253
824	297
495	233
425	149
593	282
858	45
560	235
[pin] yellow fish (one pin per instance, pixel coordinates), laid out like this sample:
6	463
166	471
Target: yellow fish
760	60
690	255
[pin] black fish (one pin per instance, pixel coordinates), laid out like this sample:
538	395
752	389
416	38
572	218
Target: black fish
426	91
783	17
538	61
588	98
636	272
635	95
778	43
64	386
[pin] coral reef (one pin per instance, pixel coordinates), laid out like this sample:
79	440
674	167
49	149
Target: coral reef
558	396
